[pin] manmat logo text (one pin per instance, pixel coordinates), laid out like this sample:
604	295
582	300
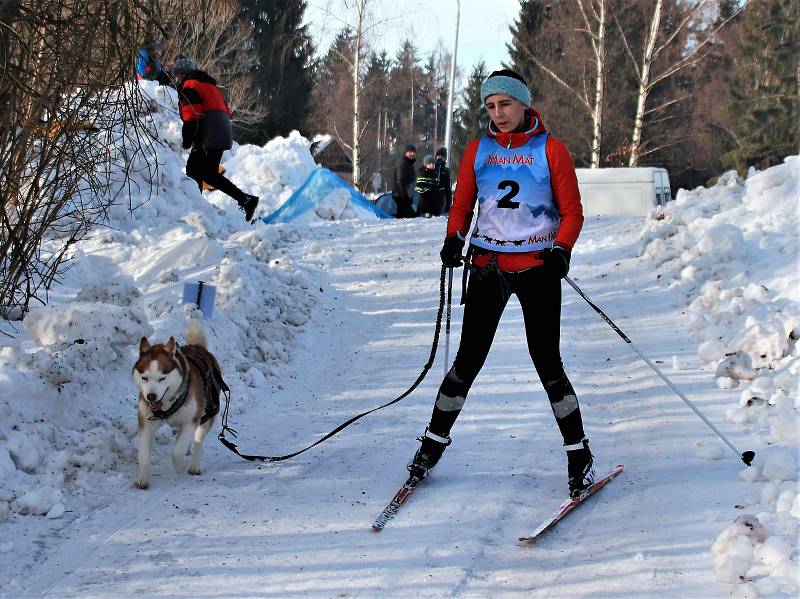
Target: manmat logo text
517	159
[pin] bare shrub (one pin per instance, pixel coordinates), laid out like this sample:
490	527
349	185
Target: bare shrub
71	132
214	35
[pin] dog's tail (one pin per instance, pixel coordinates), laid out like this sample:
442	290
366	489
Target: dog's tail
195	335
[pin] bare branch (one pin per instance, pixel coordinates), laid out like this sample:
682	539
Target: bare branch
628	50
558	79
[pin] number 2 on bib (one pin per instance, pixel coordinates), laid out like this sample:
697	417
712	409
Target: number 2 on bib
505	201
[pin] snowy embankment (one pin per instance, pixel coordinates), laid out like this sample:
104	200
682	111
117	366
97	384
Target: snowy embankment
67	404
732	252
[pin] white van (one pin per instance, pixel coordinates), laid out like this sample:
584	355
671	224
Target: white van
622	191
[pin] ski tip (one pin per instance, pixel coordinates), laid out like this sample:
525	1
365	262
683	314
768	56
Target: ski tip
376	528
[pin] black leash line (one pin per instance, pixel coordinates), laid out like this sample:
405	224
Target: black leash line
263	458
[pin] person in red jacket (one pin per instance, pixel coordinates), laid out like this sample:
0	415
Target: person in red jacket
528	221
207	130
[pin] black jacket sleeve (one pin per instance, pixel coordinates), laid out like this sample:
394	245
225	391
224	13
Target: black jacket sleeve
402	180
189	131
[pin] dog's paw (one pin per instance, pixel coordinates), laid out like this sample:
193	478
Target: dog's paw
194	470
142	484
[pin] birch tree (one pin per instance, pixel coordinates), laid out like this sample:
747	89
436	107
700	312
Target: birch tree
585	81
652	68
361	18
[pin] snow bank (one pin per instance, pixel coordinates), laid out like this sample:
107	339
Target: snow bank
732	251
67	404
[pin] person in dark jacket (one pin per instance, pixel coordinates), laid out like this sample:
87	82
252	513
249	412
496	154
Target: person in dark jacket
430	194
149	66
443	177
207	130
403	184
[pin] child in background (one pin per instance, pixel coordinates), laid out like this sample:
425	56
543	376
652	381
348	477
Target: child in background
430	195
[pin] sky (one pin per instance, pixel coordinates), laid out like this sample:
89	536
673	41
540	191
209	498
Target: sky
483	30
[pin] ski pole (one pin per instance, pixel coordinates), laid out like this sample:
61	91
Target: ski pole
746	457
447	324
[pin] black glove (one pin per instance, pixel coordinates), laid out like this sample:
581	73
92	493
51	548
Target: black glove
451	252
556	261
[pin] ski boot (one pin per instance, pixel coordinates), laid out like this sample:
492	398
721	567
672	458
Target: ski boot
580	467
428	454
248	205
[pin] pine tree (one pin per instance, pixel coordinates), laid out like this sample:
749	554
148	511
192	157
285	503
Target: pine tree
528	24
471	118
283	74
404	94
375	112
766	86
332	98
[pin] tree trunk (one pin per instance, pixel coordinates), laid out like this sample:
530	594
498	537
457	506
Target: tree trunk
599	90
644	86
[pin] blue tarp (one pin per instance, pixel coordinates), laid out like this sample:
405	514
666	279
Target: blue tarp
317	187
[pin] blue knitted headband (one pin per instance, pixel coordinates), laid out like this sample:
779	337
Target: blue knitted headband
509	86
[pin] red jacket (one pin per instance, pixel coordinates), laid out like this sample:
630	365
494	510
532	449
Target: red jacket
565	195
204	112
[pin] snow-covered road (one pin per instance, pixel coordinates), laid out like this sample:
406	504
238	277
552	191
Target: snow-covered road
302	527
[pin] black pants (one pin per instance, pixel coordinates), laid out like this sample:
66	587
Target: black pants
539	294
203	165
405	207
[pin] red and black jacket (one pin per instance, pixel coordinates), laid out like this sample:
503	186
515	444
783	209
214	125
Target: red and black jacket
563	181
204	112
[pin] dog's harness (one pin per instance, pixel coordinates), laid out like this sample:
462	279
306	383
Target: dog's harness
213	384
176	405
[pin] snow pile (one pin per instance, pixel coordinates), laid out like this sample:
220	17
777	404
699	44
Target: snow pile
67	403
273	172
732	251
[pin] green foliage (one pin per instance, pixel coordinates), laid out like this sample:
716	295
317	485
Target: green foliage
283	74
765	86
532	16
471	117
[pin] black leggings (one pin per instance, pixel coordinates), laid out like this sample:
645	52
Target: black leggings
203	165
539	294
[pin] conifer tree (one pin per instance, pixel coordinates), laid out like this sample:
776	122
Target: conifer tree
528	24
766	86
332	97
375	113
471	118
283	75
405	94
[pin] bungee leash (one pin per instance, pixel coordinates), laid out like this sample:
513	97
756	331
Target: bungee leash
263	458
746	457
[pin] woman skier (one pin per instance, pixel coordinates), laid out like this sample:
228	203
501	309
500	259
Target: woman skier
529	219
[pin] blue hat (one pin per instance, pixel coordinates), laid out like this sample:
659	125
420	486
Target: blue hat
506	82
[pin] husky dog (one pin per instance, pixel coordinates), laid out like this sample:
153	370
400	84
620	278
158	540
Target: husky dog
176	385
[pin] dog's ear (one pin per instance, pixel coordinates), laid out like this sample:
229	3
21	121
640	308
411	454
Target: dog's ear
144	345
170	346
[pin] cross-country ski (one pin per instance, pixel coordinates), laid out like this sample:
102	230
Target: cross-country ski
571	504
390	511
